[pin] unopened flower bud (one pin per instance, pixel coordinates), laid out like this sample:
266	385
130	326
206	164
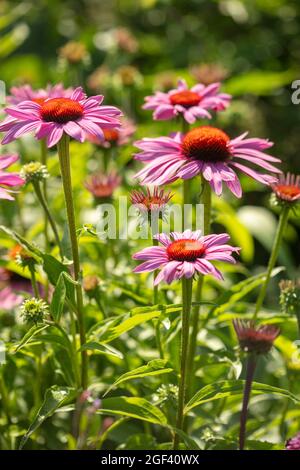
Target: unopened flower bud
33	172
34	310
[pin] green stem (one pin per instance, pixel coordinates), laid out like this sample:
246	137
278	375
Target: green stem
205	199
187	285
43	202
251	364
4	398
34	283
273	258
157	322
64	159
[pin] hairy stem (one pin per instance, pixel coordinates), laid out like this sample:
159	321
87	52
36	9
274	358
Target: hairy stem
64	159
43	202
251	364
187	285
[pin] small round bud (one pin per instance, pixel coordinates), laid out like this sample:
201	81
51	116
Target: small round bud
34	310
74	52
90	283
290	297
34	171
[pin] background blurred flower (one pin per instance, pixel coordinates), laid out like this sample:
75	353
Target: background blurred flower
185	254
27	93
120	136
287	189
73	52
102	186
126	41
209	73
192	103
208	151
8	179
75	116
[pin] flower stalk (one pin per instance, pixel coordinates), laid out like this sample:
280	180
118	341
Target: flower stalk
187	285
251	365
64	159
273	257
205	199
48	216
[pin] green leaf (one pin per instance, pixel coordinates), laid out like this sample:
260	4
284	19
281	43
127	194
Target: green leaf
54	269
127	325
55	397
58	298
237	292
155	367
259	82
229	388
102	349
240	235
133	407
34	330
33	250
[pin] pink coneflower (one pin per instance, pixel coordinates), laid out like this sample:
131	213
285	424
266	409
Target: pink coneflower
113	137
8	179
287	189
27	93
254	339
192	103
208	151
102	186
185	254
293	443
147	201
75	116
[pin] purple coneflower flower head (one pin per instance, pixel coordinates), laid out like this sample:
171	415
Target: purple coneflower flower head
208	151
293	443
74	116
114	137
287	189
102	186
8	180
27	93
184	255
255	339
150	201
192	103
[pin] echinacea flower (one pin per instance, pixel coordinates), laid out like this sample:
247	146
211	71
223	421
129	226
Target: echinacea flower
287	189
102	186
255	339
8	179
185	254
74	116
112	137
208	151
12	285
192	103
150	201
27	93
293	443
34	310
